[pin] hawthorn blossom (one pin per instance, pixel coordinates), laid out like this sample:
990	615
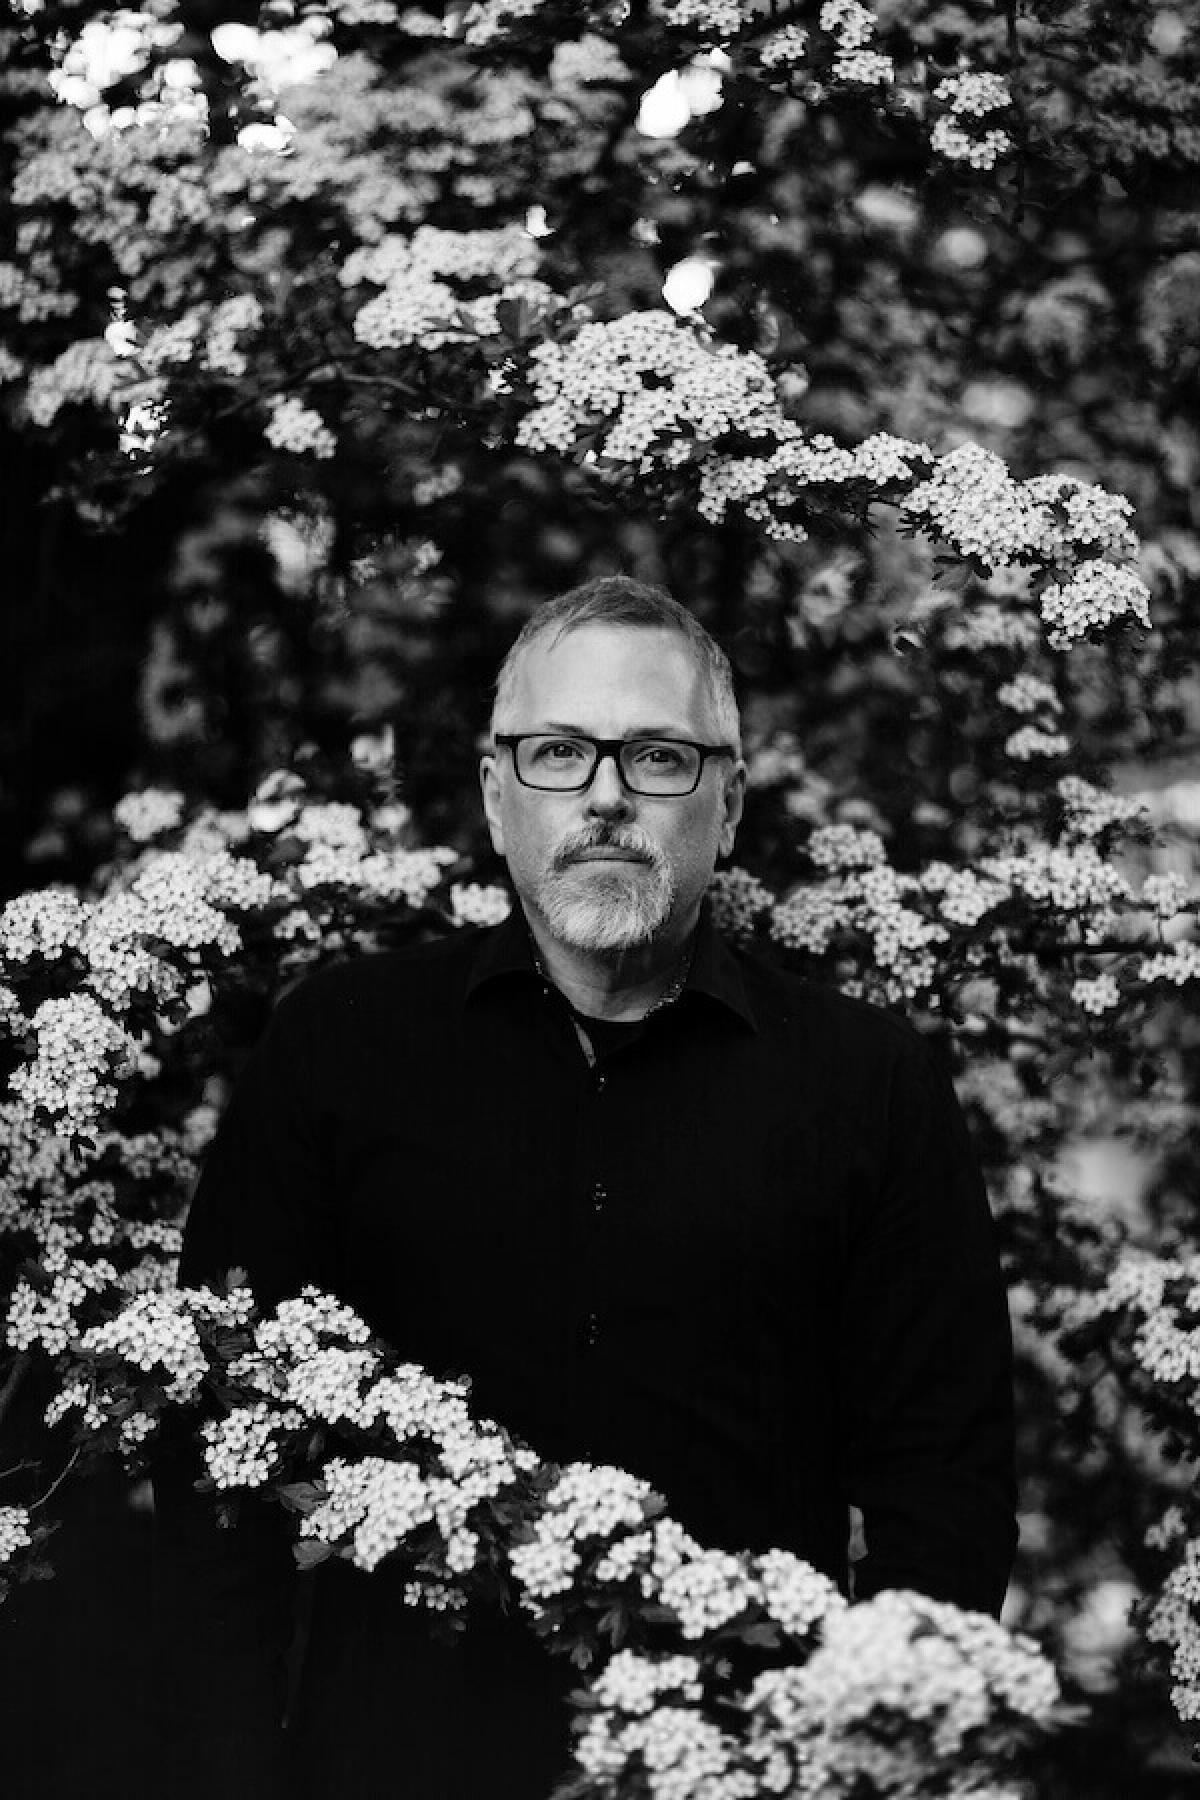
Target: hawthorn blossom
242	1449
1096	994
46	1316
473	904
1178	965
1096	594
738	900
297	428
154	1331
80	1051
149	813
14	1532
371	1507
43	924
947	1672
641	379
707	1591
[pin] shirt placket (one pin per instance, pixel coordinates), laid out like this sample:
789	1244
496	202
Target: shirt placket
593	1210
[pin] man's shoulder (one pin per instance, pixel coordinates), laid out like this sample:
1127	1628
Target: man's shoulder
436	968
815	1011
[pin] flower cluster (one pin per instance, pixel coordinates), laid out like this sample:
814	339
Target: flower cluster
44	925
473	904
149	813
141	959
374	1502
738	900
1178	965
47	1315
948	1675
427	282
154	1332
969	96
14	1532
644	387
1146	1313
784	48
298	429
585	1504
81	1050
1096	594
972	502
897	1688
1090	812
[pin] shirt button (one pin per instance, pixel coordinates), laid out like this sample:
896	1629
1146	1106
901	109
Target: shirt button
601	1083
599	1196
591	1330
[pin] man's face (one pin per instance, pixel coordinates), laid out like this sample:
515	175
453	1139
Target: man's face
607	870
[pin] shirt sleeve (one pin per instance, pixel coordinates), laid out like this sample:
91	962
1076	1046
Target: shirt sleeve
225	1598
928	1397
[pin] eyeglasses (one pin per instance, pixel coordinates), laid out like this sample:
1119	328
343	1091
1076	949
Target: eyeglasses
663	768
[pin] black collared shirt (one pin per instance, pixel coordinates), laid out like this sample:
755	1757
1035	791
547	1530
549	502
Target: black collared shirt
744	1252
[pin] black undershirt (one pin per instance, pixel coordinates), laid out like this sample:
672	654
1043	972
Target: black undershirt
607	1035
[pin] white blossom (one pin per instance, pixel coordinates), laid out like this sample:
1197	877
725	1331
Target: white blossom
149	813
241	1450
373	1503
473	904
295	427
1096	594
154	1331
1096	994
14	1532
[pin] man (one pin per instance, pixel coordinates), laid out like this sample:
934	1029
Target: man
670	1208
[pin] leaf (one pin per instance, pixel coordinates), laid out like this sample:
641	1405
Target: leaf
300	1496
309	1553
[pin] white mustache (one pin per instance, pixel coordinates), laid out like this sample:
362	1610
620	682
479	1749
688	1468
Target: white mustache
574	849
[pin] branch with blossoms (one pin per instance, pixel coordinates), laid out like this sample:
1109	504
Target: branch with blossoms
93	991
705	1667
478	329
646	403
1140	1319
842	54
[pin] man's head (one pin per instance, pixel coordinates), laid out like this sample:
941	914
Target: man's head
607	869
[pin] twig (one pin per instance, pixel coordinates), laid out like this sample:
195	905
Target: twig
59	1479
1015	63
15	1377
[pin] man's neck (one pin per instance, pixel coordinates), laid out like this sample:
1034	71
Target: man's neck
617	985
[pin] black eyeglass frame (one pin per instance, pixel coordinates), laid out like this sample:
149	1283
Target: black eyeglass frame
611	747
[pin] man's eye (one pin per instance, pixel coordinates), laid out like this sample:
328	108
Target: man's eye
658	756
558	750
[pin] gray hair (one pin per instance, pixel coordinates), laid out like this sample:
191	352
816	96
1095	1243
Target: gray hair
619	600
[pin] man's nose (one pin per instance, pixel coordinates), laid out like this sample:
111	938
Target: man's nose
607	796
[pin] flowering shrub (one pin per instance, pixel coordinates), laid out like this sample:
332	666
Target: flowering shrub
91	1225
407	1472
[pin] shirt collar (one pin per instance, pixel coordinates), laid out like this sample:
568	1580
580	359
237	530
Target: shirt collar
507	950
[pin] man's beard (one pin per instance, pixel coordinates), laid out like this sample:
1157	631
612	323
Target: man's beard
607	907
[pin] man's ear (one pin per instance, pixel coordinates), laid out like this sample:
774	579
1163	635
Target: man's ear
489	783
734	800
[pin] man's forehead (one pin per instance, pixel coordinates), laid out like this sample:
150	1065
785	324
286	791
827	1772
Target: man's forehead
645	666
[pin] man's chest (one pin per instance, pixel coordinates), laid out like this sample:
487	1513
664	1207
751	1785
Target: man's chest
501	1177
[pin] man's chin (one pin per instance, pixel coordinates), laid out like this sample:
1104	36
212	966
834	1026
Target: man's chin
612	920
606	940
